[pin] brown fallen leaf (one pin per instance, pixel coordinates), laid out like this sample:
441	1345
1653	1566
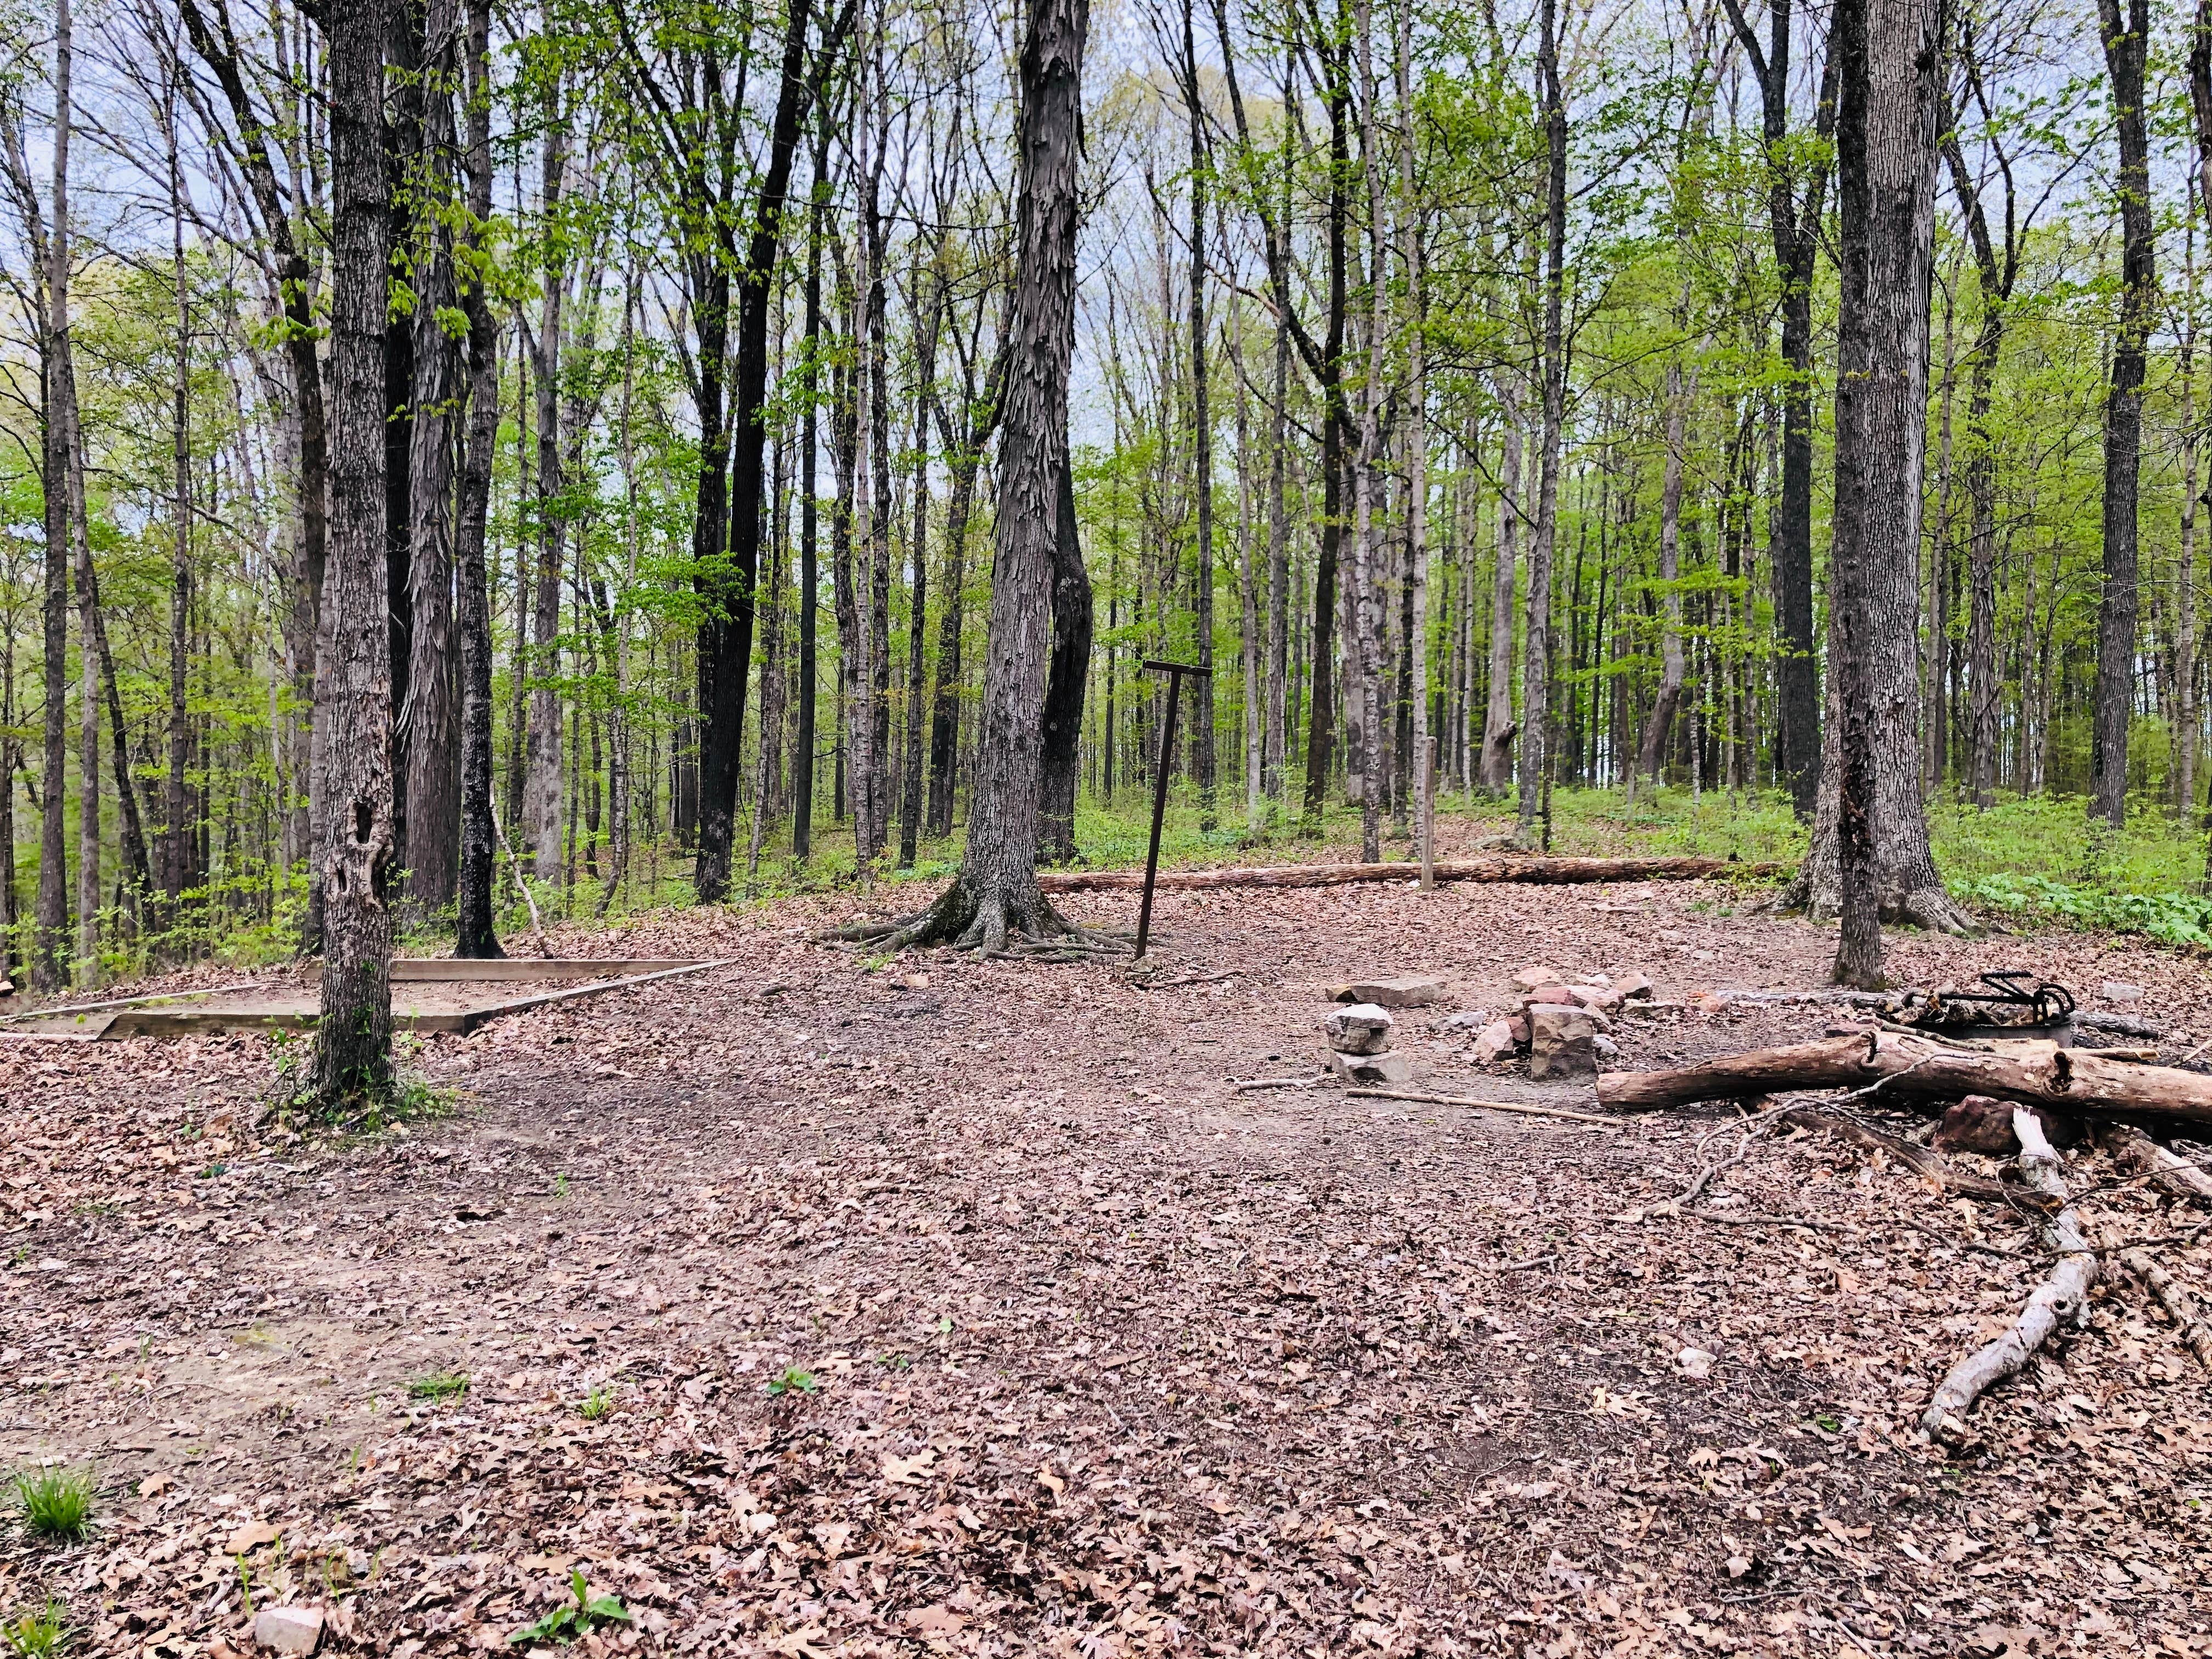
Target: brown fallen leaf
907	1471
250	1536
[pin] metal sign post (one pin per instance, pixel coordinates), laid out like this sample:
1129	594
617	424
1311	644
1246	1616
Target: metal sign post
1174	671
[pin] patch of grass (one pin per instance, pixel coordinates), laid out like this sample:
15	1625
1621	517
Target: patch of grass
438	1385
56	1503
37	1635
791	1380
597	1403
574	1619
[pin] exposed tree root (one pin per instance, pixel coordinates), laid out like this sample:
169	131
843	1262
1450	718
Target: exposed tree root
1819	897
987	924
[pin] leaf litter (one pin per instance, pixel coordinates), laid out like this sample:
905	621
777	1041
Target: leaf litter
1103	1356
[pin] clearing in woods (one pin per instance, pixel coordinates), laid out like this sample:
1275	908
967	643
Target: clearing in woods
805	1309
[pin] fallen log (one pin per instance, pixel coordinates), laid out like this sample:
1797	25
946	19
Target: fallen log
1525	868
1894	1066
2060	1295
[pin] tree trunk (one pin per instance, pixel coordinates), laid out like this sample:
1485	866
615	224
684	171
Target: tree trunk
476	936
2126	45
945	701
810	521
1888	51
1278	572
2185	715
1536	664
725	637
426	718
1795	230
1203	760
996	895
1661	725
295	299
1416	441
50	958
1064	683
175	848
541	813
912	768
1498	728
353	1037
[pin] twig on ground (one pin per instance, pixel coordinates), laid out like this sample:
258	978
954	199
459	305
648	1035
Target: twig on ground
2064	1293
1285	1082
1483	1105
1697	1187
1754	1219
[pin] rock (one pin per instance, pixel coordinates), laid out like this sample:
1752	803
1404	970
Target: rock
1372	1069
1408	991
1527	979
1608	1050
915	982
2119	990
1466	1019
1602	998
1496	1042
289	1630
1634	987
1518	1025
1981	1124
1696	1362
1559	999
1362	1029
1562	1042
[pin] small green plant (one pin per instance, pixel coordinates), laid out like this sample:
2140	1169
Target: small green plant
37	1635
597	1403
245	1586
576	1618
791	1380
56	1503
560	1185
438	1385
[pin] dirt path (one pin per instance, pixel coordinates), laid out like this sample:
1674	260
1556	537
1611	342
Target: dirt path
1099	1355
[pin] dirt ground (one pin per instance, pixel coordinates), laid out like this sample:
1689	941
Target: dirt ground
1100	1355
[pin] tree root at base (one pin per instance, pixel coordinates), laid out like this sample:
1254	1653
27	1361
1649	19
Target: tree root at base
989	924
1928	908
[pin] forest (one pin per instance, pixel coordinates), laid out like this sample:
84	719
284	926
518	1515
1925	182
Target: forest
1463	377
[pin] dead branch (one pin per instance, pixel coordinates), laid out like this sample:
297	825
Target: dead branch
2137	1153
2176	1301
2037	1073
1546	869
1697	1187
1931	1166
1285	1082
1483	1105
2064	1293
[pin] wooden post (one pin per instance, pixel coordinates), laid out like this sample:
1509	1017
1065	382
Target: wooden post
1174	671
